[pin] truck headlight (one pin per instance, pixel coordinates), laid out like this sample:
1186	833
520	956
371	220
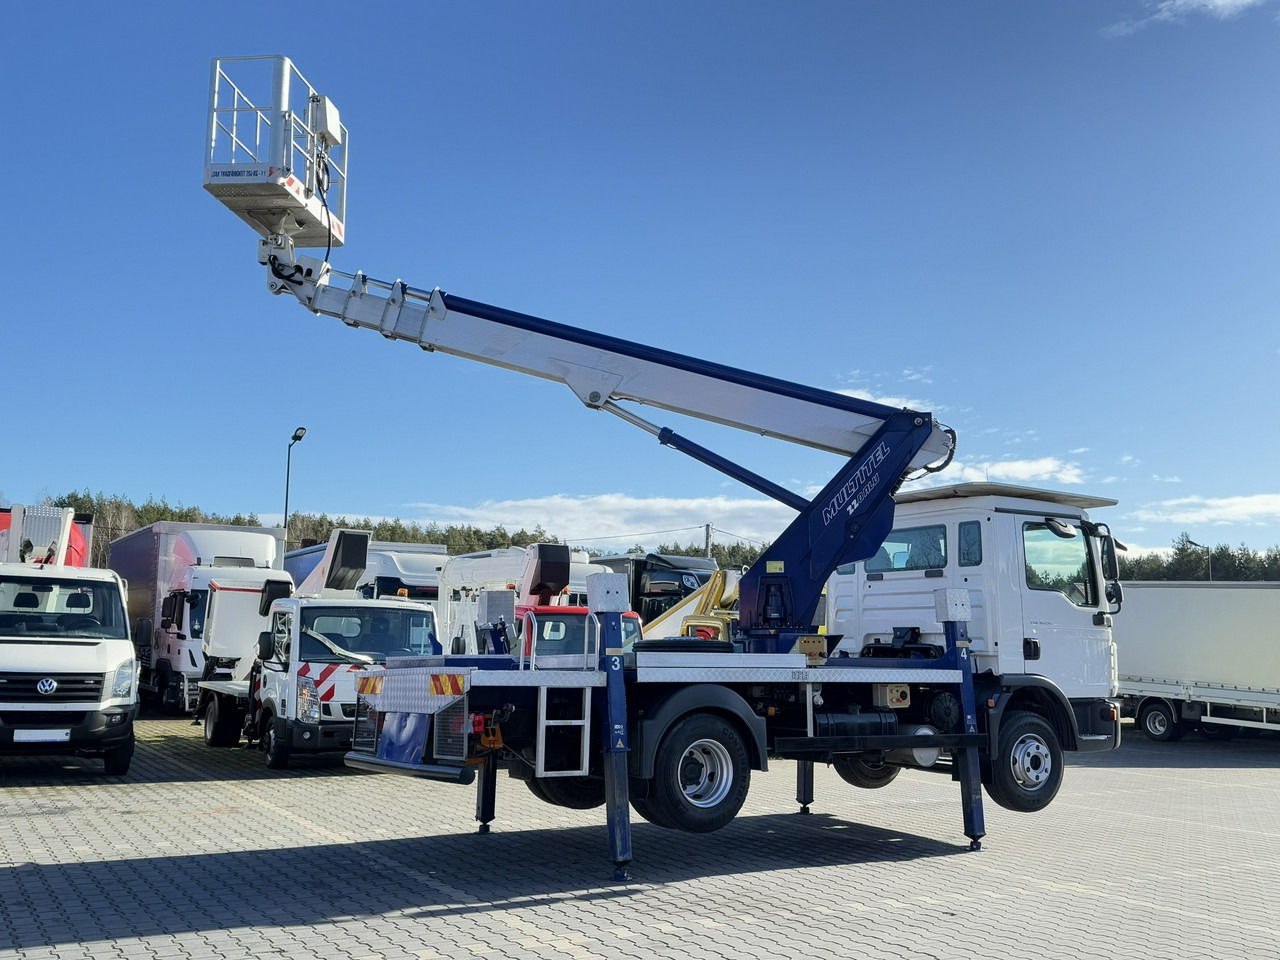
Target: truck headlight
308	701
122	680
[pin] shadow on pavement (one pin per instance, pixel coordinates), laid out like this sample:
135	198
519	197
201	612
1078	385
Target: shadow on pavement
424	877
1192	752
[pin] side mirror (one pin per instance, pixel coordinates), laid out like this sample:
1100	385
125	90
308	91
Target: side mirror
266	645
142	632
166	624
1115	592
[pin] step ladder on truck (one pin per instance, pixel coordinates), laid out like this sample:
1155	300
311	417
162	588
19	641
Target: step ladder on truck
673	727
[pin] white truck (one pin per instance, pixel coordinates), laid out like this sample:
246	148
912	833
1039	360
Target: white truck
68	678
1200	655
677	726
292	687
392	568
193	598
466	577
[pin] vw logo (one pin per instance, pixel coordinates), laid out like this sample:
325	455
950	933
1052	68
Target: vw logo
46	686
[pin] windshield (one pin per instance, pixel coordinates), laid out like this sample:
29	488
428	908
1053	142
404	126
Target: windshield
333	633
44	607
198	599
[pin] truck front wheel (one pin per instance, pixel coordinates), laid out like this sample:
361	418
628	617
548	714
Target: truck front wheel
1158	722
275	743
701	774
221	725
115	762
1027	769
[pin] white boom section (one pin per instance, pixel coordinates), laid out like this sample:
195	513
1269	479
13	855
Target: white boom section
599	369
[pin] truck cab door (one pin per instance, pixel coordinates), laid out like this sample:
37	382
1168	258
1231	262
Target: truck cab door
1060	603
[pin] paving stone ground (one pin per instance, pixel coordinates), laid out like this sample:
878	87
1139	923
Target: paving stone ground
1154	851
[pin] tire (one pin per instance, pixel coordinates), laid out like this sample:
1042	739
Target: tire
701	774
275	745
1217	731
115	762
868	774
574	793
220	730
645	807
1027	769
1157	721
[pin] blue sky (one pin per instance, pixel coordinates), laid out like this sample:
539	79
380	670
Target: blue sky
1052	224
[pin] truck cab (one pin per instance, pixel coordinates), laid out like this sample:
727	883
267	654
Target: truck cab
1041	581
303	685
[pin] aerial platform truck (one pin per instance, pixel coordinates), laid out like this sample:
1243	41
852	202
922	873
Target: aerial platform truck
675	726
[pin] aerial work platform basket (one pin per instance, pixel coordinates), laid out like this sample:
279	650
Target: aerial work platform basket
277	151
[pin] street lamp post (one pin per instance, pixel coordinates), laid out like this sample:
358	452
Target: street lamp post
288	464
1208	555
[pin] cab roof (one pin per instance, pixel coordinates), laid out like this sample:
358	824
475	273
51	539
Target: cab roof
953	491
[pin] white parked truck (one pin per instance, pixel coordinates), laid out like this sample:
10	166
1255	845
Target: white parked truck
193	599
68	678
677	725
292	689
1199	655
466	577
392	568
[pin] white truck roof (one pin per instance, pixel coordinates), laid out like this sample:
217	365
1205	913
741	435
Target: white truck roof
987	489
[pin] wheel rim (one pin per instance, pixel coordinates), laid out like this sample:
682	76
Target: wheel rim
1157	723
210	720
1031	762
706	773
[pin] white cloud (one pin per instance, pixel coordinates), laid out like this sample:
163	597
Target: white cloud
1159	479
1040	470
1173	11
1257	509
618	521
888	401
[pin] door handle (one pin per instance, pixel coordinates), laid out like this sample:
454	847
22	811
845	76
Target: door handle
1030	648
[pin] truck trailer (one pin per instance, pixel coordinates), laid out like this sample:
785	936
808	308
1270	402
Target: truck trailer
1199	655
193	599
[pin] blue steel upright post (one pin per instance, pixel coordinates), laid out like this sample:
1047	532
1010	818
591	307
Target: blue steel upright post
953	611
608	600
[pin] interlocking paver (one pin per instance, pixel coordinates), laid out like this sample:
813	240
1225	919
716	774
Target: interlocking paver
204	854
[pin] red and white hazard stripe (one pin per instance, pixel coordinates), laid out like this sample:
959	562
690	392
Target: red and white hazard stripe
326	676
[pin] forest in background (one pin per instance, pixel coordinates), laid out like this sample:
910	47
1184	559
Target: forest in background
114	516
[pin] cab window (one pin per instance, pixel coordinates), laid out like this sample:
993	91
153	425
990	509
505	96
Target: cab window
912	548
1058	562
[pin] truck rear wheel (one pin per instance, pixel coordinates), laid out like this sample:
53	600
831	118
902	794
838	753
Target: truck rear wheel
574	793
867	774
1218	731
645	807
1027	769
115	762
221	726
1157	721
701	774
